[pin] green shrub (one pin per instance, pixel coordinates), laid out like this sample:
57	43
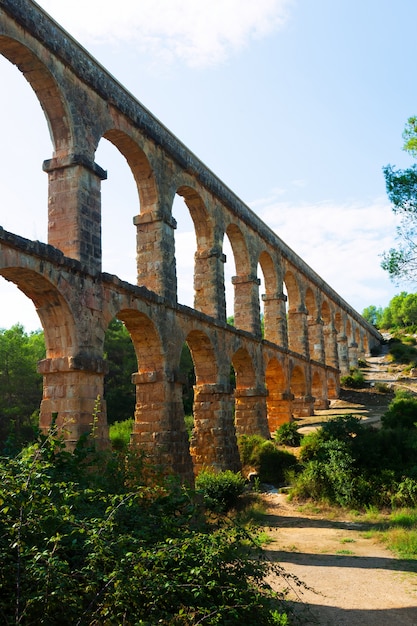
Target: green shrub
402	411
288	435
263	455
189	424
119	434
354	380
405	494
249	449
382	387
220	490
272	464
401	352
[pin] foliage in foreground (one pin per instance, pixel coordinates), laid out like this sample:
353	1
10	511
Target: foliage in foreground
352	465
85	540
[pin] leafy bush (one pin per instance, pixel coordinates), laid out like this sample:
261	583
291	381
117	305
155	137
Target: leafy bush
354	380
79	544
288	435
350	464
189	424
382	387
220	490
402	411
406	493
119	434
248	449
273	464
402	352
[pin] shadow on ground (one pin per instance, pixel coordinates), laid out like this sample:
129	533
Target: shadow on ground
334	616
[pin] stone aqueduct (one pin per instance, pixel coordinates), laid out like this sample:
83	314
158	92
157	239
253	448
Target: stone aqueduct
311	335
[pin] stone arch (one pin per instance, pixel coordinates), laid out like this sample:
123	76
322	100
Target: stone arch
338	322
146	341
315	326
275	319
325	312
213	441
140	166
250	406
201	217
159	428
318	390
54	312
244	369
240	250
302	404
293	290
297	316
332	387
298	382
46	89
270	273
278	399
246	284
72	383
349	333
204	358
208	275
311	303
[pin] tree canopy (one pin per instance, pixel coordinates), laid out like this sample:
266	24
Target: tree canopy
401	185
401	312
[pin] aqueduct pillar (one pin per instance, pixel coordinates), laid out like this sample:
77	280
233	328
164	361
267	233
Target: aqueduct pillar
298	330
316	338
343	354
246	309
213	442
74	208
275	319
250	412
159	427
73	391
209	283
155	249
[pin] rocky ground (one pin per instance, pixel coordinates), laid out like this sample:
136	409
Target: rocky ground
352	579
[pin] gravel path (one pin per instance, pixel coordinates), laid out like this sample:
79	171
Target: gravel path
354	580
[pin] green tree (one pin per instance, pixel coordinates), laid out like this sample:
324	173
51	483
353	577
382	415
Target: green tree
121	358
400	312
373	315
20	383
401	185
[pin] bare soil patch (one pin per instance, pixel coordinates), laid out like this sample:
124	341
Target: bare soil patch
353	580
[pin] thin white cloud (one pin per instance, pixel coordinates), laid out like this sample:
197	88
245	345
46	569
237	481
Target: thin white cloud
342	243
197	33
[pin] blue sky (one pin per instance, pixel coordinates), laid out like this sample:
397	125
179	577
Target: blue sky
296	105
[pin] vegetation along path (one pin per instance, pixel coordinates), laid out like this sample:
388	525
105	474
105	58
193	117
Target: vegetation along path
352	579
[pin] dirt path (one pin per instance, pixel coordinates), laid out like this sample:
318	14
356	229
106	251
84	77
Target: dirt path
354	580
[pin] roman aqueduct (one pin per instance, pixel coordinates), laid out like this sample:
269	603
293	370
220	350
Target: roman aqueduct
311	335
